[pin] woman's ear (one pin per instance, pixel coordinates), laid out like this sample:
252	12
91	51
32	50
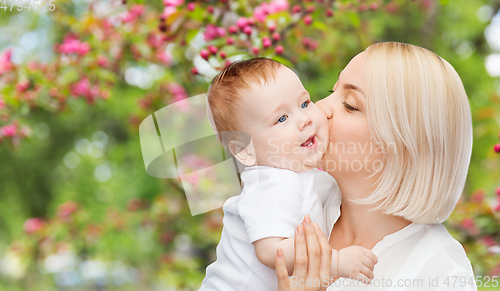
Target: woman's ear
244	154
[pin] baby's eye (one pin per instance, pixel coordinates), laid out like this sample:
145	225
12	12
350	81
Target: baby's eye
282	119
305	104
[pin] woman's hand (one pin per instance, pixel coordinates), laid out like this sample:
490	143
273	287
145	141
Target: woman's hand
313	256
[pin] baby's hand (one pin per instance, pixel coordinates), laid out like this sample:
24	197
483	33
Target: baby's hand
357	263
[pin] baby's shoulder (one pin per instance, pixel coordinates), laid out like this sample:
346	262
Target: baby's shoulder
273	181
271	176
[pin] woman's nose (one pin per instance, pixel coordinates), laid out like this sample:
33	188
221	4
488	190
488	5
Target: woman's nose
325	106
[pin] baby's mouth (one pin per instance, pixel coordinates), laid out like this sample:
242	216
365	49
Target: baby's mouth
309	142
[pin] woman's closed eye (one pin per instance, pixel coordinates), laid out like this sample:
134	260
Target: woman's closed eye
349	107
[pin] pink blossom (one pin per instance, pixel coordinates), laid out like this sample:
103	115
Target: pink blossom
477	196
66	209
488	240
155	40
6	56
242	22
137	9
102	61
213	32
260	12
84	48
193	178
164	57
127	17
271	26
169	10
191	6
107	24
279	49
33	66
81	88
25	131
5	63
233	29
266	42
2	104
279	5
174	3
468	222
213	49
178	91
33	224
247	30
23	86
204	54
8	130
210	32
73	45
94	92
221	31
182	105
308	20
196	162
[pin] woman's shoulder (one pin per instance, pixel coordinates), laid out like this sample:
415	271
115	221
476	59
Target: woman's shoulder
433	245
437	238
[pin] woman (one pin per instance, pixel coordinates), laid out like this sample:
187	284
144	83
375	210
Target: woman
400	146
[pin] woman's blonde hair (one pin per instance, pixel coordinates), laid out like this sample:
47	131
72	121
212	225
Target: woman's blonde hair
418	112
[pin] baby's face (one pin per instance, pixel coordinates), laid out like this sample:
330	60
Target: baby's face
288	131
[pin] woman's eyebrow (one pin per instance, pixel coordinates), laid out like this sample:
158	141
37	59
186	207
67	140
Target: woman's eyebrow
353	87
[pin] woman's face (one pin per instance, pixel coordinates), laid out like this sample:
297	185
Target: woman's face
350	151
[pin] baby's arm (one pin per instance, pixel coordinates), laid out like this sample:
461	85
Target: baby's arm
352	262
266	248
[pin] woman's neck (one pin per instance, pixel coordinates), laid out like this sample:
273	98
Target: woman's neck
358	224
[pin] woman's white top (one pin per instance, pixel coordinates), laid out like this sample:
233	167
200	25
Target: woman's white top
272	204
417	257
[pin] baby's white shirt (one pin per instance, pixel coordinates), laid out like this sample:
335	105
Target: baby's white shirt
272	204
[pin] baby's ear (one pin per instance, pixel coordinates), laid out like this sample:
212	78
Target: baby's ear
244	153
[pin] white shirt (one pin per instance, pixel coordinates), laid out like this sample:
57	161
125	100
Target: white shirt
417	257
272	204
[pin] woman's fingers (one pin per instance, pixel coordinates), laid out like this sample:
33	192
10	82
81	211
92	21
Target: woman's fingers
313	248
326	253
300	266
281	271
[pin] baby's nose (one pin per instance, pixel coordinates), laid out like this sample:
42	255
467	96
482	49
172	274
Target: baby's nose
307	122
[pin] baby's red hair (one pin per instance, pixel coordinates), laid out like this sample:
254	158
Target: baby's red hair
224	93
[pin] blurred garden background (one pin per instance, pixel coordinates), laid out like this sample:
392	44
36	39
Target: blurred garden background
78	210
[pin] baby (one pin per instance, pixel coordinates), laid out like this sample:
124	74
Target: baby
266	100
